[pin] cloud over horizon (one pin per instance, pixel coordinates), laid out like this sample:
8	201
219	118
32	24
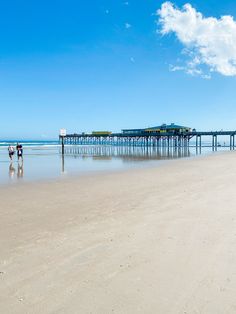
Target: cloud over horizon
208	41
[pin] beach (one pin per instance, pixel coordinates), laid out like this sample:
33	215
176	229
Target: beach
149	240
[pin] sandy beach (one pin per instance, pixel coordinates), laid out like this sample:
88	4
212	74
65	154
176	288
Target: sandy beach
158	240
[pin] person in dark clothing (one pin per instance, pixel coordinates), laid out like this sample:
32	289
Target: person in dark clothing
19	150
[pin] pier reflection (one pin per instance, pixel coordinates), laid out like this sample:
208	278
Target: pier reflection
126	154
63	163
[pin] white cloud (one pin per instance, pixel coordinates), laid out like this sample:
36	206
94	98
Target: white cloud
127	25
208	41
174	68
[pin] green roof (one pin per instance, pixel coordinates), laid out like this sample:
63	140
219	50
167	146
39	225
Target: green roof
168	126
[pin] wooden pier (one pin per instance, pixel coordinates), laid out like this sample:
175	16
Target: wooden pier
154	139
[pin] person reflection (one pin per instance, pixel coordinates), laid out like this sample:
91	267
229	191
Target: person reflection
12	171
20	170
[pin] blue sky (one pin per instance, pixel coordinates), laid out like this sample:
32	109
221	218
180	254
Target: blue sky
102	65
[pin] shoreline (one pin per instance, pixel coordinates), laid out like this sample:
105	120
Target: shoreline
151	240
146	164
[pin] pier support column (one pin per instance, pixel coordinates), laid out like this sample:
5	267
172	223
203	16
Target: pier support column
200	141
231	141
214	142
62	145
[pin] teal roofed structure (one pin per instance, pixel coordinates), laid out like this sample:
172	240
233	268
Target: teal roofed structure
169	128
164	128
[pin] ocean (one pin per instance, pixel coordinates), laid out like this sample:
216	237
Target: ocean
29	143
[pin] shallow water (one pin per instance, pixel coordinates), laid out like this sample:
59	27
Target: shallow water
46	161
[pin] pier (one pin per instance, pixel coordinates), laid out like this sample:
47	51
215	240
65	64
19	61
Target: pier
162	136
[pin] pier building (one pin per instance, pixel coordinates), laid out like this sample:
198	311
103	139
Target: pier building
161	129
165	135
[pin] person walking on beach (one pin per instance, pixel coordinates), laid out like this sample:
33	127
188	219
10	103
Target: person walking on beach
19	150
11	151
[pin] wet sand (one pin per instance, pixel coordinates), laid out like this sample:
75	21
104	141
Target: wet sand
156	240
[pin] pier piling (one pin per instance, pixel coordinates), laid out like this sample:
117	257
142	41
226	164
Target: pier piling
165	140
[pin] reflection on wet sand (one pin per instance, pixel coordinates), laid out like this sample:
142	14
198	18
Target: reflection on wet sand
127	154
63	163
12	170
20	170
49	163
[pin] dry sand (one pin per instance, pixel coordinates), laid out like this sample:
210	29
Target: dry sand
152	241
